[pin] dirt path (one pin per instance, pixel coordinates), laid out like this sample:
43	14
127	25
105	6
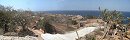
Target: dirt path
69	36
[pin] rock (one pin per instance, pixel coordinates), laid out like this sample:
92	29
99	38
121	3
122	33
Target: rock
128	36
17	38
19	28
10	34
1	31
128	32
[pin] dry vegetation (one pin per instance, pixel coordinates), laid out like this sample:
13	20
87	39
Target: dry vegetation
16	23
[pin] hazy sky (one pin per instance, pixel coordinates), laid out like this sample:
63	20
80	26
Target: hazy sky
45	5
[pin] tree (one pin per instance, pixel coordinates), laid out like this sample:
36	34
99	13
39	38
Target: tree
113	16
10	18
6	16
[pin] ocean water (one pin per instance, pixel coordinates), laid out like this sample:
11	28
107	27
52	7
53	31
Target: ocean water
83	13
86	13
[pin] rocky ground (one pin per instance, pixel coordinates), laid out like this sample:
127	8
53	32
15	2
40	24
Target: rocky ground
17	38
72	36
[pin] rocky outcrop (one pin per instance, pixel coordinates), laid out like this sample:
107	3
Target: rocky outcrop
93	22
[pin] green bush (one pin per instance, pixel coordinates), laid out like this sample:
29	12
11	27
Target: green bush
114	16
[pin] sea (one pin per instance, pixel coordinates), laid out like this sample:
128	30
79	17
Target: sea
87	12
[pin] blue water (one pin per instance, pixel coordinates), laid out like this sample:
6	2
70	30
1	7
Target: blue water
86	13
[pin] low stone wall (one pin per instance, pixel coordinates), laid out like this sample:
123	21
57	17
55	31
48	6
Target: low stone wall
17	38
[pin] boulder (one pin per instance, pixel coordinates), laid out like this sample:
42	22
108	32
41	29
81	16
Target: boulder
1	31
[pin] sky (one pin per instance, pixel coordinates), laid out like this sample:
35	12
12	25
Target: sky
48	5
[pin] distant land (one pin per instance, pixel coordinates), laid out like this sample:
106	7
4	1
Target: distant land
85	13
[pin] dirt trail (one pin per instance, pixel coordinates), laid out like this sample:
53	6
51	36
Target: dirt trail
69	36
